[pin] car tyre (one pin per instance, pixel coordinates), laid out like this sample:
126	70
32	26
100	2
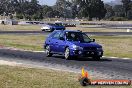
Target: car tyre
43	29
48	52
67	54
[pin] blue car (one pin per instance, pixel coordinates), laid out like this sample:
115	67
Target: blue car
72	44
51	27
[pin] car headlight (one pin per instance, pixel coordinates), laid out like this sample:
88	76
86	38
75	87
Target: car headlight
99	48
77	47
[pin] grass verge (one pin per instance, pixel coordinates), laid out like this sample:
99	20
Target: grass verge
18	77
20	27
28	42
118	46
98	29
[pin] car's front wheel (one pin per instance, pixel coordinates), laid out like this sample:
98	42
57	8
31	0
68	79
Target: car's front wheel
48	52
67	54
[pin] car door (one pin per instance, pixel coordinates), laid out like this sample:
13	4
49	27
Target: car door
61	43
50	41
55	42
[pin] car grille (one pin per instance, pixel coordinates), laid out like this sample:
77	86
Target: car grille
90	48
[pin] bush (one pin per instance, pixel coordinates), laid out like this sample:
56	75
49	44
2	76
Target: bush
35	17
118	19
19	16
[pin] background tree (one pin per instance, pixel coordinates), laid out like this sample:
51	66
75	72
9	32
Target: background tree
47	10
119	11
4	7
63	7
129	13
32	10
126	5
91	8
74	10
110	11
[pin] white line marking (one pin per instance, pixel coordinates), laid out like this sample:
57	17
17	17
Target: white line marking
10	63
116	58
113	57
126	58
39	51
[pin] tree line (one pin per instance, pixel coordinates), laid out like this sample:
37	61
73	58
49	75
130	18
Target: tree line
88	9
119	12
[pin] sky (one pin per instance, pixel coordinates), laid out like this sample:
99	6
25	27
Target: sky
52	2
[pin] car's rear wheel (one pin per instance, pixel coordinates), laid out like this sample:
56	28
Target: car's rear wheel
67	54
43	29
48	52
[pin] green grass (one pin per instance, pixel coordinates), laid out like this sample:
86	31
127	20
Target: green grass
97	29
20	27
28	42
19	77
118	46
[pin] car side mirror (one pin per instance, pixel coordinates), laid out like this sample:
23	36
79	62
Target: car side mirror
93	40
61	38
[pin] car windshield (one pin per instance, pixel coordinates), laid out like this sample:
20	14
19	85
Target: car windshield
51	24
77	36
58	24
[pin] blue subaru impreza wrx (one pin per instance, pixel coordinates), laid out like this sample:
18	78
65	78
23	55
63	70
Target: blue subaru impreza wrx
72	43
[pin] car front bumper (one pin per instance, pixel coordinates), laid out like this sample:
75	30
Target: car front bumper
80	53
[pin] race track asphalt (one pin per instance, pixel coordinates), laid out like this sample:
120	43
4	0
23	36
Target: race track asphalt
105	68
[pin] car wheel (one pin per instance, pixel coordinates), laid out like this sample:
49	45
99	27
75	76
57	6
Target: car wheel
43	29
48	54
67	54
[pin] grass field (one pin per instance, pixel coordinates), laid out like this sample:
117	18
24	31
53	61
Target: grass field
118	46
28	42
97	29
19	27
108	22
19	77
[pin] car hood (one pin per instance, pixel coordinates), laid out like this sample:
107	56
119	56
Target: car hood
91	44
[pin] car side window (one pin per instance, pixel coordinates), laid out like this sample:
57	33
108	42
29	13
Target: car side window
50	35
56	35
62	35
